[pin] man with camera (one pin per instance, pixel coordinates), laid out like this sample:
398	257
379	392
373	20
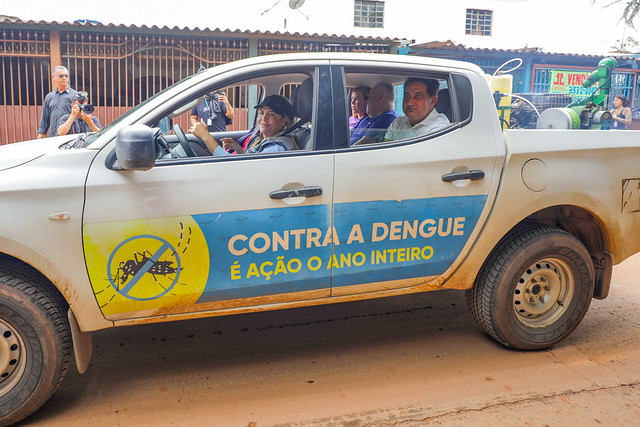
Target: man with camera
214	110
81	119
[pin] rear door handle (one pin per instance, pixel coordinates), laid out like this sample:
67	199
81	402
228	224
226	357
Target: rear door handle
312	191
473	175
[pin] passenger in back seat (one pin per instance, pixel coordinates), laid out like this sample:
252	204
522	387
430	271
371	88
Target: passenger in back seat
380	114
275	115
359	97
420	116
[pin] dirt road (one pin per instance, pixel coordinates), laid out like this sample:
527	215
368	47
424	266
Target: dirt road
415	360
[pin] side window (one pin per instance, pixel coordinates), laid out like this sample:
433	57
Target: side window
387	108
260	114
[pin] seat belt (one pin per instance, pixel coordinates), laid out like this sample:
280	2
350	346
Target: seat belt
298	124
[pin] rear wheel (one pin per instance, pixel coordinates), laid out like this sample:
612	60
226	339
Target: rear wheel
534	288
35	342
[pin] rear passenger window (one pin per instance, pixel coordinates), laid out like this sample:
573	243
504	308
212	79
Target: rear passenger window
386	108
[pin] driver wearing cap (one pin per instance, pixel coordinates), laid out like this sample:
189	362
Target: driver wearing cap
275	115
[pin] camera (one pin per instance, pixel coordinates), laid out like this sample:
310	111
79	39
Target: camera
83	97
216	95
87	108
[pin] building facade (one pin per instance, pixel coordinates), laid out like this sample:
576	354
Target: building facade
122	65
534	68
119	66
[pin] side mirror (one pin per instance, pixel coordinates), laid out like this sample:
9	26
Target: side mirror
136	147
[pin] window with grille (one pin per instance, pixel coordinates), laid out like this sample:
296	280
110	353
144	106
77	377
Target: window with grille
368	13
478	22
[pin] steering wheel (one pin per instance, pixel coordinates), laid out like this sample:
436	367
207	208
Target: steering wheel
184	142
162	143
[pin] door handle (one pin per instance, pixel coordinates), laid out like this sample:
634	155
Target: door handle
312	191
473	175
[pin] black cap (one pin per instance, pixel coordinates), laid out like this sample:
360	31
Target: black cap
279	104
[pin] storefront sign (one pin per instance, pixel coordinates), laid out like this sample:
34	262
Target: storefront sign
570	83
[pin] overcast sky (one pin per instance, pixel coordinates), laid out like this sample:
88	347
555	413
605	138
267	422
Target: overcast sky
566	26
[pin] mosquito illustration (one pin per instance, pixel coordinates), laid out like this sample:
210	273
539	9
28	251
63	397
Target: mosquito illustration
140	260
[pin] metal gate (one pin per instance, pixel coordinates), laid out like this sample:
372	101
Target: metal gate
26	77
121	68
117	70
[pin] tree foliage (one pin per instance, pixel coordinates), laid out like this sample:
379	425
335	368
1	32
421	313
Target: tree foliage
631	10
626	45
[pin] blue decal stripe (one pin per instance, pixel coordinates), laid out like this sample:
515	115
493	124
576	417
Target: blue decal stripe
249	248
292	249
402	239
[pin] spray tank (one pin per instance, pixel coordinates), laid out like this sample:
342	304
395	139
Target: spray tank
501	85
590	113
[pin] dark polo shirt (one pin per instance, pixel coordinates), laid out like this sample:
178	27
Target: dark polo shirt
56	104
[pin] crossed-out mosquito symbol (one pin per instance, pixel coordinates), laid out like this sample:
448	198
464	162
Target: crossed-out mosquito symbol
127	274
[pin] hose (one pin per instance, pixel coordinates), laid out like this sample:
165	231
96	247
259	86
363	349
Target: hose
510	69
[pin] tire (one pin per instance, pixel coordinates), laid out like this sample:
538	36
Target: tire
35	342
534	288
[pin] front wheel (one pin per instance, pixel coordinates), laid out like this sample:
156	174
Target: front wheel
534	288
35	342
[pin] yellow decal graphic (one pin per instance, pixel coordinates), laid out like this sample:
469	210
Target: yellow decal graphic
146	264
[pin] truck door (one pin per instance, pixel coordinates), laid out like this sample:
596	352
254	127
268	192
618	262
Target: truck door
408	210
204	233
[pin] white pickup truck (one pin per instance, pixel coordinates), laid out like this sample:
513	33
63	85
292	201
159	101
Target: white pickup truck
140	223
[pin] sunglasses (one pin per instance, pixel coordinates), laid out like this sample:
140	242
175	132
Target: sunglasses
62	76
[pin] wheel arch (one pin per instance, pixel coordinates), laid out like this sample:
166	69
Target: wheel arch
530	294
82	344
6	258
587	228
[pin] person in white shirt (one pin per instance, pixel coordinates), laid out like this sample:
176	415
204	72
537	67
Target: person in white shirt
420	117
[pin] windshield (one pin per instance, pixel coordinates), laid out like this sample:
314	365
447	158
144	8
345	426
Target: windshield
92	137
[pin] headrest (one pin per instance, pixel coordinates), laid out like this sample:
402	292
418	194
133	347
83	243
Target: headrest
302	98
444	104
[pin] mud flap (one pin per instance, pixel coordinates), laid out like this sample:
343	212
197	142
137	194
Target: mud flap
82	344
